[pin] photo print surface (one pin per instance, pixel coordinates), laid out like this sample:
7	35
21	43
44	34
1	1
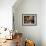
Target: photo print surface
29	19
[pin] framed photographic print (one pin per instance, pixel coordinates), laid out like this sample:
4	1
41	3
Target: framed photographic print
29	19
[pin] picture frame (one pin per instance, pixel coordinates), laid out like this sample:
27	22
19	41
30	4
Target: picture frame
29	19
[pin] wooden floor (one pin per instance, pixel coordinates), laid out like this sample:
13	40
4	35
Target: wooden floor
9	43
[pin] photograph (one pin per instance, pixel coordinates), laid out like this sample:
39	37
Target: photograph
29	19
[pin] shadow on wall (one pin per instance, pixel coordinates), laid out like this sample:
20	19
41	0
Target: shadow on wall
18	2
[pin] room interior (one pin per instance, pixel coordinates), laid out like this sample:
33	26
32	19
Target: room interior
13	32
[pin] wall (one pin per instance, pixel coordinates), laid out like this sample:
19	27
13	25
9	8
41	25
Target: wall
28	7
43	22
6	13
